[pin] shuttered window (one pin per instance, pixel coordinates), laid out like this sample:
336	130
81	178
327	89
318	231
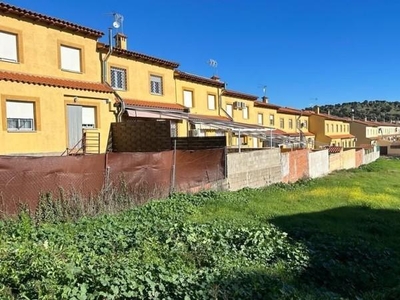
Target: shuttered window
20	116
211	102
70	59
188	98
8	47
156	85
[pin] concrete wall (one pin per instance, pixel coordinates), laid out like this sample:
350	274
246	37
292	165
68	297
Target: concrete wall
394	150
348	159
335	162
294	165
253	169
318	163
370	156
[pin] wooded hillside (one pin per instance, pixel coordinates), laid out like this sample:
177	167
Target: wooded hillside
379	110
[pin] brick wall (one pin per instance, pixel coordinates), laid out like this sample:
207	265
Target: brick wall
294	165
359	157
253	169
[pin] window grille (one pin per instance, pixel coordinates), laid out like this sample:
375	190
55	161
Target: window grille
156	86
118	78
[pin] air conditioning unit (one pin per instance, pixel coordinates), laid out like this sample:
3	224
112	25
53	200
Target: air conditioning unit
239	105
194	132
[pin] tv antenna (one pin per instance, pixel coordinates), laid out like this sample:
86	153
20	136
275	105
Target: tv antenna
118	21
264	89
213	64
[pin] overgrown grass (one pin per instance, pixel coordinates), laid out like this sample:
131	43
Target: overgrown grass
336	237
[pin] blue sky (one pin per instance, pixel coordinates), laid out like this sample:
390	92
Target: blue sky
307	52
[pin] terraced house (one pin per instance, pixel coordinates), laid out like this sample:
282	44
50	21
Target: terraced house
43	114
330	130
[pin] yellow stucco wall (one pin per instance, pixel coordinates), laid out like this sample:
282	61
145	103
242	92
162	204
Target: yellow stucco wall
138	80
39	51
50	136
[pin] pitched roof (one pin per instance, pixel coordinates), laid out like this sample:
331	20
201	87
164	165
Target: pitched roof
207	117
334	149
24	14
152	104
234	94
266	105
341	136
138	56
55	82
198	79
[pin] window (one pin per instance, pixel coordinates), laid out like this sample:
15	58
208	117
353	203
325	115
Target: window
282	123
305	124
327	127
20	116
211	102
229	109
188	98
245	112
88	117
8	46
118	78
271	120
156	85
290	124
260	120
337	128
174	129
70	59
331	127
341	128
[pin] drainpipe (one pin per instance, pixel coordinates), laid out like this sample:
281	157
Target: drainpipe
104	59
220	91
298	124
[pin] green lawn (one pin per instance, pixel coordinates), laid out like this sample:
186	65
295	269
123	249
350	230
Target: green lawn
336	237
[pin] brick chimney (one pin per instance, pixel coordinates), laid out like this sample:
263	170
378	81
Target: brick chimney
265	99
121	41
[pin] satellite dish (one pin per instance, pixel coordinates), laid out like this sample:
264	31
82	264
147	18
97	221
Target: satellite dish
118	19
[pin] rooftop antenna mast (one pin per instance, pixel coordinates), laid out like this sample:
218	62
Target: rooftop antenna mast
118	22
213	64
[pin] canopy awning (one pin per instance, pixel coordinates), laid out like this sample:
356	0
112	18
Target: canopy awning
154	114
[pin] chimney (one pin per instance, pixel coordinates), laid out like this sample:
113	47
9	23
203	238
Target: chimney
366	119
215	77
329	112
316	109
121	41
265	99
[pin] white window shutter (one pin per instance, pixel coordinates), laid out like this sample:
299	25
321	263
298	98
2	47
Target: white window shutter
88	115
70	59
188	98
19	110
211	102
8	46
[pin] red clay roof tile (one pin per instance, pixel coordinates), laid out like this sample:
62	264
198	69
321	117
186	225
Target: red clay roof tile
239	95
198	79
23	14
55	82
152	104
137	56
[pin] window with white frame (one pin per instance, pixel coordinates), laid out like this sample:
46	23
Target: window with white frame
245	112
156	85
260	119
118	78
88	117
20	116
282	123
8	46
211	102
271	120
290	123
229	110
187	98
70	59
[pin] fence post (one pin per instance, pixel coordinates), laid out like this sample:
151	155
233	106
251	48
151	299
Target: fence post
172	190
